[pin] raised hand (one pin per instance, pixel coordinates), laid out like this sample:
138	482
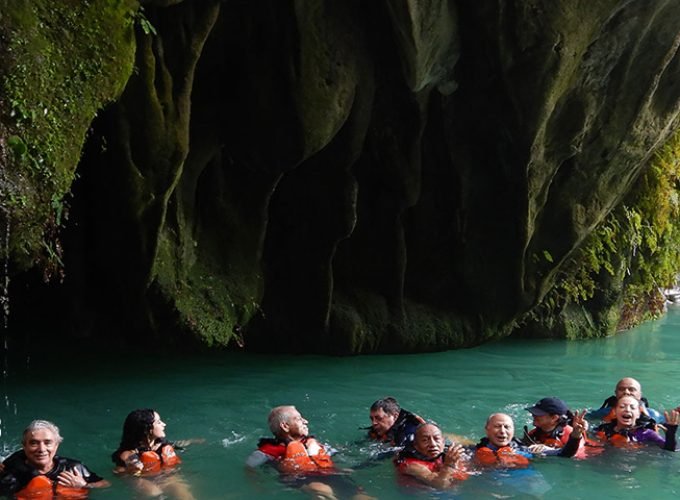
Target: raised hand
454	455
579	424
672	417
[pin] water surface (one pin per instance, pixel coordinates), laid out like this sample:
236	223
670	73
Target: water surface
225	399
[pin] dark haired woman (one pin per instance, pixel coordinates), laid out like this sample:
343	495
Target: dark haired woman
145	453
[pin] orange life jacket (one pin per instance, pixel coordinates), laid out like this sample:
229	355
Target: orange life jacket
618	440
163	458
557	438
505	456
297	458
43	488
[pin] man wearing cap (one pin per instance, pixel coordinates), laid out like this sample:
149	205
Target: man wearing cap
551	428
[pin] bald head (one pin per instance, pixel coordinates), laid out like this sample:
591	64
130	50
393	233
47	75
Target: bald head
628	387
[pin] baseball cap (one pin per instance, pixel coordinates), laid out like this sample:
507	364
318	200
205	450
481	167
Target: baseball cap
548	406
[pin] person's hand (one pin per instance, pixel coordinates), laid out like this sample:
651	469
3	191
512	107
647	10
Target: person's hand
672	417
538	449
313	447
134	465
579	424
454	455
72	479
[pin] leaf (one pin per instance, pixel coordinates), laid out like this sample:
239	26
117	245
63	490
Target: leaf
17	145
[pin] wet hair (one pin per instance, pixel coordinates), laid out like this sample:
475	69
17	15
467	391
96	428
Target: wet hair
388	405
278	416
41	424
136	429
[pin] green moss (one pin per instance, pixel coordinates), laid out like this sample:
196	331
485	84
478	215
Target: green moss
364	323
63	61
614	278
208	304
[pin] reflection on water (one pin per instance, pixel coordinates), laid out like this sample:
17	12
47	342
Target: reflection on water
225	399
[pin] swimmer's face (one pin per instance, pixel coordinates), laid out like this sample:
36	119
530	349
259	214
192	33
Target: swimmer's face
546	422
40	446
157	427
382	422
627	411
500	429
296	426
429	441
628	387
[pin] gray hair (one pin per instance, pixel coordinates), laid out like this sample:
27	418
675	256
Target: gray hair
42	424
278	416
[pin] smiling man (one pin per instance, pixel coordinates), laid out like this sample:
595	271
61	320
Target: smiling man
37	469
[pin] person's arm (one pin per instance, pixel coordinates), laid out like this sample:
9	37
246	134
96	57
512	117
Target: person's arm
183	443
8	483
256	459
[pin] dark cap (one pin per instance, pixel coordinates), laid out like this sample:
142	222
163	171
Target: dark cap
548	406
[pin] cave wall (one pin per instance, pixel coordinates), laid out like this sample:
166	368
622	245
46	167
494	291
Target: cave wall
351	176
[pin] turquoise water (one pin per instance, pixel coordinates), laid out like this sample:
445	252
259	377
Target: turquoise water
225	399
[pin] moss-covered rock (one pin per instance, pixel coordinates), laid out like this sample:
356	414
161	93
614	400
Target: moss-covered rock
60	63
340	177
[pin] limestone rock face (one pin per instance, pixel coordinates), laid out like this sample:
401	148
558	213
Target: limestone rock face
348	177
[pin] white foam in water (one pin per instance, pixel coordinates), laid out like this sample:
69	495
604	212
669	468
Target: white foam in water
237	438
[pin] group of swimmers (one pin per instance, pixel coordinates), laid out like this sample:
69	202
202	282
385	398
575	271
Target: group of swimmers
425	457
36	471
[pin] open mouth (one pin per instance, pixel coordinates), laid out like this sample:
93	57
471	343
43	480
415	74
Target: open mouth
626	417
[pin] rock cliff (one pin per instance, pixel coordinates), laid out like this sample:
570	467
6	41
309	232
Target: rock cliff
318	176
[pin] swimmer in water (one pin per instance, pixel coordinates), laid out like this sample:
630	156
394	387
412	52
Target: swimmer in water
500	448
430	460
627	431
145	454
551	427
302	461
36	471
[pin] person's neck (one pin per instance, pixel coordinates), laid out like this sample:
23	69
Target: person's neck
620	427
45	468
